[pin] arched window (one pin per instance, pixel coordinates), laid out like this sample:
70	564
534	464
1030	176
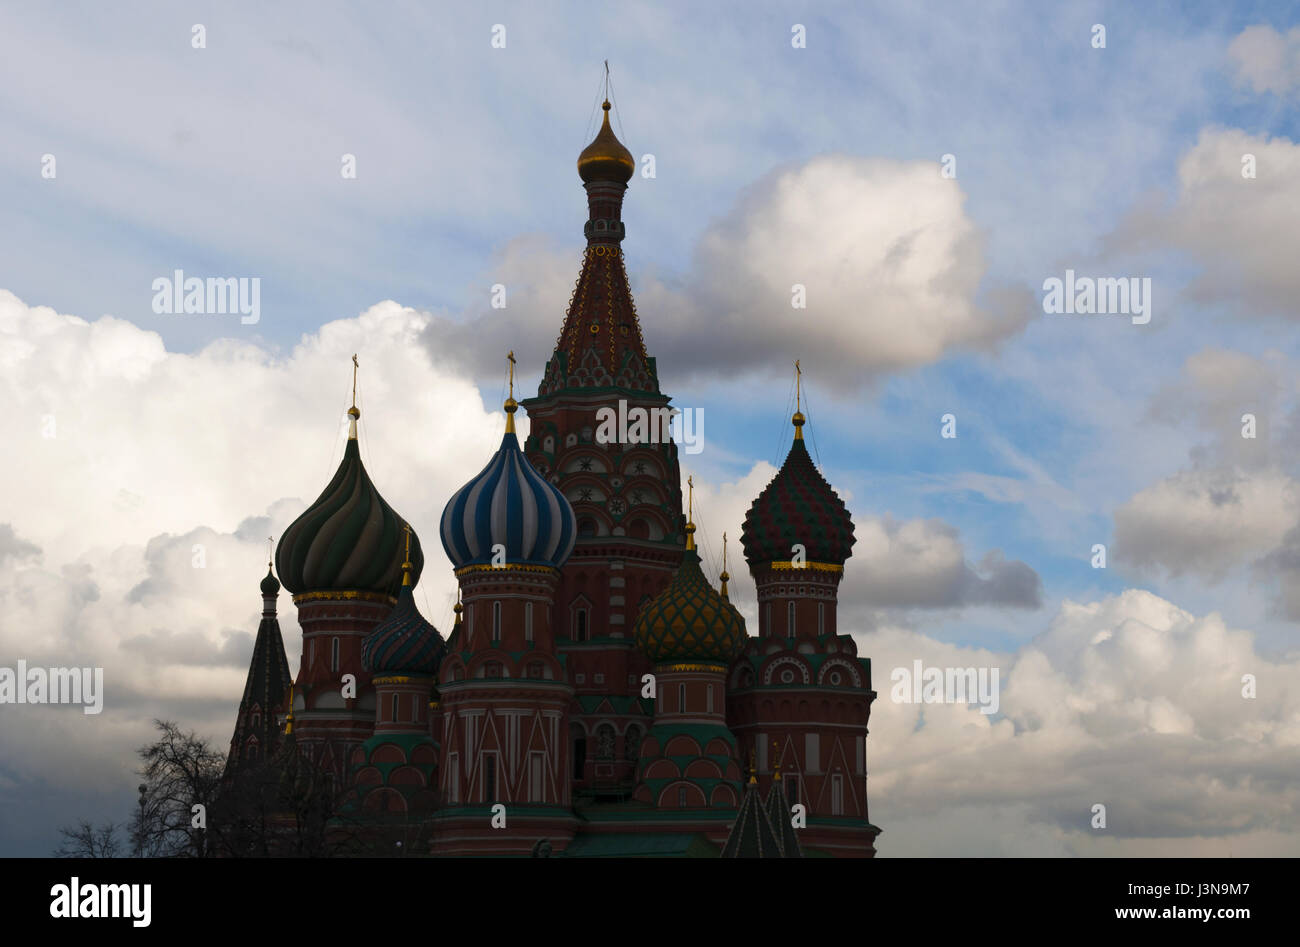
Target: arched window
681	698
710	704
580	625
394	708
334	655
579	739
789	620
528	621
586	526
496	621
605	740
821	618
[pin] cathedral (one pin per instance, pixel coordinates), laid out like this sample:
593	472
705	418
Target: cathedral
598	695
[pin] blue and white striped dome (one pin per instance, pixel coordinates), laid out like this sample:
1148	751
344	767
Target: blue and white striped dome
511	504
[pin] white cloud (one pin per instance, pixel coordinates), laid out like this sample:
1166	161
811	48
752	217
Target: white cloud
1266	59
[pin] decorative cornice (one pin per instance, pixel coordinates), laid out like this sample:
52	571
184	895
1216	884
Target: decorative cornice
785	564
350	595
693	667
508	567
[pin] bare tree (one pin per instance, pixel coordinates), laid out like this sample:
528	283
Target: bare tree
180	771
86	841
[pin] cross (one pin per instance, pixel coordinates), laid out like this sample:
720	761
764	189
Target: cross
355	366
606	80
270	543
690	497
407	528
798	378
510	356
724	552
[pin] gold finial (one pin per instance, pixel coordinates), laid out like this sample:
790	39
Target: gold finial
406	566
776	768
798	418
690	511
511	404
353	412
270	547
288	721
724	577
752	770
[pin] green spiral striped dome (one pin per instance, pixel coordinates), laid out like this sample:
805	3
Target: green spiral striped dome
348	540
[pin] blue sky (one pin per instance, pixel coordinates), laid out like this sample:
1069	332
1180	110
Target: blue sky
225	161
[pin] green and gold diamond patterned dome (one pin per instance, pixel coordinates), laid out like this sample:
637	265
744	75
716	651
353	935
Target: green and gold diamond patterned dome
690	621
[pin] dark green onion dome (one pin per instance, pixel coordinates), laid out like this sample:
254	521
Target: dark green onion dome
270	585
689	621
404	642
348	540
798	506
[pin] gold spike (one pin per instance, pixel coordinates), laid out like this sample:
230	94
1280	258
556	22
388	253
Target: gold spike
353	412
724	577
776	766
752	769
511	404
288	722
406	566
690	511
798	418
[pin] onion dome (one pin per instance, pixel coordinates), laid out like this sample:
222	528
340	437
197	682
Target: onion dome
270	584
349	539
689	620
512	505
605	159
404	642
798	506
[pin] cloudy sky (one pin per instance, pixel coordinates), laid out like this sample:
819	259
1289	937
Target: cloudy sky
135	437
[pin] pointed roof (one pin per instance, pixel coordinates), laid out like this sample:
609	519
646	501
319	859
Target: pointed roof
751	835
777	808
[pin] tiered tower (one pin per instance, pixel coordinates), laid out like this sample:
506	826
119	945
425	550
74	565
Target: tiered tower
800	697
266	690
622	480
689	758
342	560
504	697
395	770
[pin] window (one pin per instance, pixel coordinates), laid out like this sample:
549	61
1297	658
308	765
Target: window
334	655
681	698
528	621
453	777
536	787
766	626
580	625
496	621
489	777
311	653
837	794
579	753
789	620
415	708
710	703
394	708
821	618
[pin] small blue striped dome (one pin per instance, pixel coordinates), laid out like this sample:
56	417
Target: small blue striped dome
511	504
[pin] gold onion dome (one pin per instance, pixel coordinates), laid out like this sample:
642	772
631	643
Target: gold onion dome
605	159
689	621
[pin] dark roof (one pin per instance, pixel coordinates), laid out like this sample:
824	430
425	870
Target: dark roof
751	835
778	812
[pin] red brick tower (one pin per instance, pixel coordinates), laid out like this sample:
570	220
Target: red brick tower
504	698
622	480
800	697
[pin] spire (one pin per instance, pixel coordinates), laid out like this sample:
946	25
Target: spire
724	577
600	344
752	768
406	563
798	418
256	728
511	405
690	508
353	412
288	720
